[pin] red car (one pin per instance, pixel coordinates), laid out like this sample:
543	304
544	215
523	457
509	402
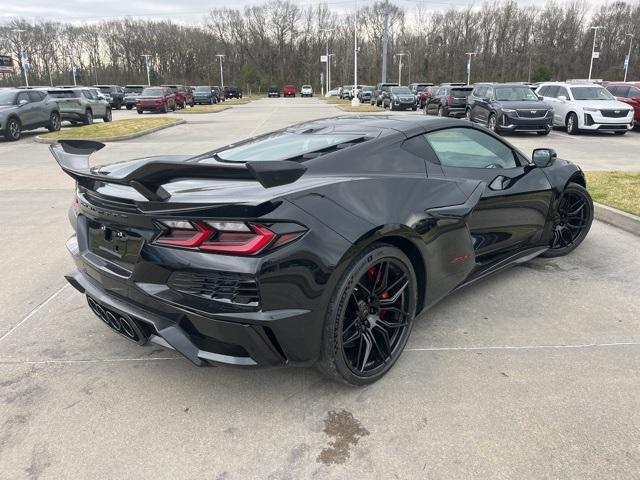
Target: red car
425	95
157	99
183	94
289	91
628	92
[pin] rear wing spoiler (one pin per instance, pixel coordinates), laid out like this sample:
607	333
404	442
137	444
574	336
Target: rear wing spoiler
148	178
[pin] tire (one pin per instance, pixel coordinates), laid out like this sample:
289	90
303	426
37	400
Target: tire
571	222
572	124
492	123
341	359
118	105
165	108
622	132
129	107
440	111
88	117
140	112
413	109
13	130
54	122
545	132
467	115
108	116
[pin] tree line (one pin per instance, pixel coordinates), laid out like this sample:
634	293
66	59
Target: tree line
279	42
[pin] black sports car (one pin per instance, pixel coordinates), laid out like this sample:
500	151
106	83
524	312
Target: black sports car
316	244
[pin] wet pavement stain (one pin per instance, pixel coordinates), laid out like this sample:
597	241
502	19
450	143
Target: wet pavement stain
345	431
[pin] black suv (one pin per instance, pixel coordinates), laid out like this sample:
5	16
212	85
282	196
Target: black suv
376	98
231	91
116	93
274	91
448	101
509	107
398	98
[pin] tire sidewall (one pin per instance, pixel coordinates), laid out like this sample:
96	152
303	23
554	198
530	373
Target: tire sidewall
332	360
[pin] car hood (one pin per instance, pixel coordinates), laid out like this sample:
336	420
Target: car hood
602	104
525	105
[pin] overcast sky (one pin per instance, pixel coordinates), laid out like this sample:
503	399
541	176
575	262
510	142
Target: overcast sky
188	11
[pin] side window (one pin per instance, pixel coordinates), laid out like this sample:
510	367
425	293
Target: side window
552	91
615	91
562	91
634	92
35	96
489	93
87	94
23	96
622	92
470	148
480	92
542	91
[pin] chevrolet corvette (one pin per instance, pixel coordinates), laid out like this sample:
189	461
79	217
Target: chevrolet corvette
316	245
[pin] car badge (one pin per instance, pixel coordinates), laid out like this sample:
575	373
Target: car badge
533	112
617	111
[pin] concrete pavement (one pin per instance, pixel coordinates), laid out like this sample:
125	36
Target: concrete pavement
533	373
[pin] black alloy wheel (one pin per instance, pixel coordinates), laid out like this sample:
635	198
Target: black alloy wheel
370	316
88	118
108	116
572	220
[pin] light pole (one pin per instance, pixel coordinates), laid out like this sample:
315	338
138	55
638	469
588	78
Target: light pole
469	55
22	55
329	72
593	49
146	60
73	66
628	59
327	30
220	57
355	101
401	54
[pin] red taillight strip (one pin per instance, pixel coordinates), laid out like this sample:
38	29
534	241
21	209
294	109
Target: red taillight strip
261	238
195	240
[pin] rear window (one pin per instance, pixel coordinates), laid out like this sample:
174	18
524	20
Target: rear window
104	89
461	92
203	89
63	94
133	89
153	92
284	145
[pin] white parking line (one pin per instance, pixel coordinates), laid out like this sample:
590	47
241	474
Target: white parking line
33	312
91	360
525	347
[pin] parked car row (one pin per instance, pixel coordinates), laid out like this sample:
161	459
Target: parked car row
518	107
289	91
28	109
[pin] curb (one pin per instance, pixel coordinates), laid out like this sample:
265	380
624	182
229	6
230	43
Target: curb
190	112
623	220
179	121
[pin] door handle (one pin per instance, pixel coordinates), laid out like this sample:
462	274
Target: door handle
500	183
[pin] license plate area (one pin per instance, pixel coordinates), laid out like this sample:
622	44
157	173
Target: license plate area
114	244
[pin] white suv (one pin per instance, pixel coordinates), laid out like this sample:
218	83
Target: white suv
586	106
306	91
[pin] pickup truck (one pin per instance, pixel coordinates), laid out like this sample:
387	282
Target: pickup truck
115	93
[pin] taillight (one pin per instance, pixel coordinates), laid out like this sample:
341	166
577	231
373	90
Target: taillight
228	237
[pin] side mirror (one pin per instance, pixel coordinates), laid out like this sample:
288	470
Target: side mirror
544	157
562	98
22	102
486	99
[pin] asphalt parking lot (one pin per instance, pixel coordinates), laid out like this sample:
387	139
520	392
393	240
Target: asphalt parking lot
533	373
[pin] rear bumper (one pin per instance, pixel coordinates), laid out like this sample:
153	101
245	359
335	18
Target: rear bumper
203	340
455	111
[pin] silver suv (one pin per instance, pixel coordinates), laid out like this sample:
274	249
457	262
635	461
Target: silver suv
81	105
26	110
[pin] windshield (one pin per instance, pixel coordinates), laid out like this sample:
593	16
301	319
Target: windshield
367	89
591	93
515	94
461	92
7	98
153	92
284	145
133	89
401	90
203	89
348	87
104	89
306	86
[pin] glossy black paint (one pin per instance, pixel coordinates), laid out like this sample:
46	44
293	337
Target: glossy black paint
455	224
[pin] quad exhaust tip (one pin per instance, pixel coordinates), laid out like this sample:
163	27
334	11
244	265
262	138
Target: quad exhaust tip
120	323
